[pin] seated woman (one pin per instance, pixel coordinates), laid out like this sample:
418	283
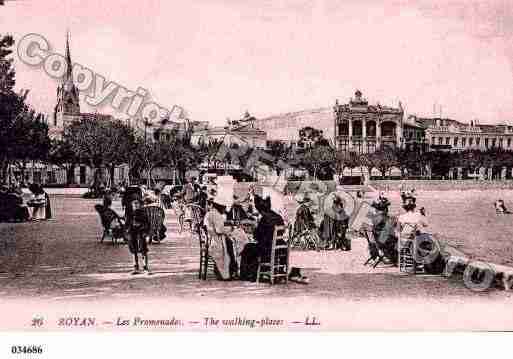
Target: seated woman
40	202
237	213
12	205
263	237
21	211
409	225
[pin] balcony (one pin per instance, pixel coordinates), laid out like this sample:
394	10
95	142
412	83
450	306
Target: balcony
388	138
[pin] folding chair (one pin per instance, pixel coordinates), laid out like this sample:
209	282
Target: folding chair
278	265
375	254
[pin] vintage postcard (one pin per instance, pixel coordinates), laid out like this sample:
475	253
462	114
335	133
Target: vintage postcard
219	165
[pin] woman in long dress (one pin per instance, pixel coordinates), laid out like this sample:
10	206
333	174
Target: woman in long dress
334	226
221	247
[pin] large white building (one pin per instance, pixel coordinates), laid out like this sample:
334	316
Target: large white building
242	133
355	126
453	135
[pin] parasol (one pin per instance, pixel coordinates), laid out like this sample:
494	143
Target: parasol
348	202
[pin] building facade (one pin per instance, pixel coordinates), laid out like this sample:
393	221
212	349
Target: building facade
452	135
363	128
241	133
285	127
355	126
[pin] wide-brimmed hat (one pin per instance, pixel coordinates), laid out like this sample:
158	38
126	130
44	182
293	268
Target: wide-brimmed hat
345	202
219	197
149	198
409	203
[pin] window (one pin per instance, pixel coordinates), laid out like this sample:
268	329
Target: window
509	142
494	142
500	142
344	146
478	141
486	142
463	142
440	140
455	141
447	140
470	141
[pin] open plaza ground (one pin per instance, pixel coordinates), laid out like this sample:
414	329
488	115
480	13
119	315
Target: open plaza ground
60	262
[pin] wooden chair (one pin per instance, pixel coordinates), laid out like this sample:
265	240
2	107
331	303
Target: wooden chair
206	261
196	216
279	254
108	217
407	249
155	216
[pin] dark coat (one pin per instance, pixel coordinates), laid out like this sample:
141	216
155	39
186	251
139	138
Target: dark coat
264	233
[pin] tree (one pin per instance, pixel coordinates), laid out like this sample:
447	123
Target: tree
408	161
23	134
383	160
311	137
7	73
317	157
62	155
29	141
100	143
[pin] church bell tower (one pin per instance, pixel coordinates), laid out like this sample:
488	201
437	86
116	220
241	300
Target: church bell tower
68	106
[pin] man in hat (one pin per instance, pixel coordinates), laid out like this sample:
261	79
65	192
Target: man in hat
138	226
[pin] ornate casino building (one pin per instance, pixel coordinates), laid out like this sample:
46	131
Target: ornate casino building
362	128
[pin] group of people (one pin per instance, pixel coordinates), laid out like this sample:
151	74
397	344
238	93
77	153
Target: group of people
240	232
137	221
333	226
396	232
15	207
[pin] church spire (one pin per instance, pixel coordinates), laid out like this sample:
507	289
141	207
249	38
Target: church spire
69	73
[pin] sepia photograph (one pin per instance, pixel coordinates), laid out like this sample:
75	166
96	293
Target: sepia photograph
255	166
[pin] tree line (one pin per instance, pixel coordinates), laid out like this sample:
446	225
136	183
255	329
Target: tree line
104	144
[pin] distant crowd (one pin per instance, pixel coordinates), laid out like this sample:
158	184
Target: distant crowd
16	206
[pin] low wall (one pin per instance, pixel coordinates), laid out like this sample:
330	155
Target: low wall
321	186
241	188
440	185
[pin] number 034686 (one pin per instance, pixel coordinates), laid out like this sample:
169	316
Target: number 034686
26	349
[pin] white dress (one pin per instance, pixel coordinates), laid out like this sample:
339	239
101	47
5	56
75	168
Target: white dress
39	211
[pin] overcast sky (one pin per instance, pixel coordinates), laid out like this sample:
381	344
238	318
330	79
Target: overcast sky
218	58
